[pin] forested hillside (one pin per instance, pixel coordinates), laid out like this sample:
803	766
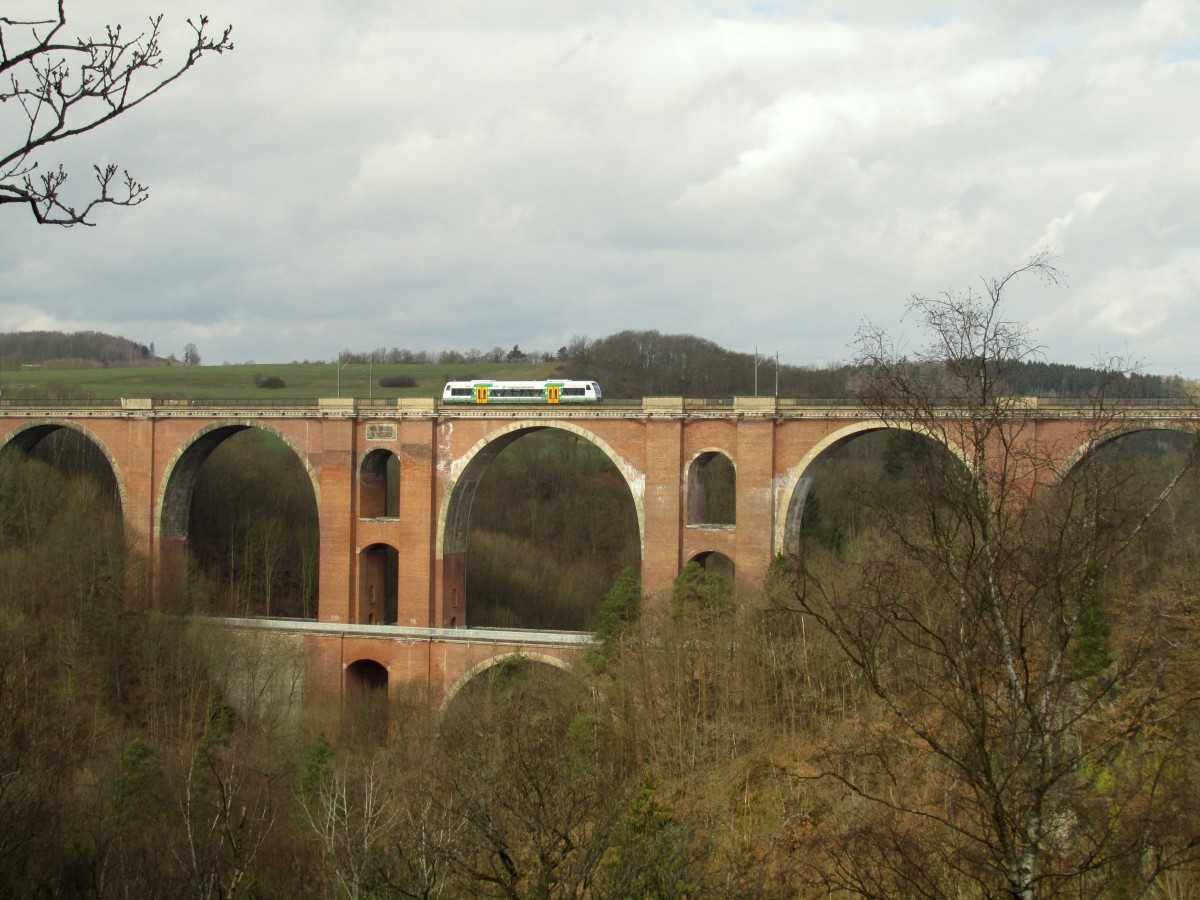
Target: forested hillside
645	363
78	348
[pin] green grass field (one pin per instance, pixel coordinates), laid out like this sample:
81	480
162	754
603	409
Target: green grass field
237	382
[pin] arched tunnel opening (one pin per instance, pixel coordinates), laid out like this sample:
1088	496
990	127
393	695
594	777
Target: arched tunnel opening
502	687
366	710
242	503
1146	484
62	534
551	525
864	483
366	676
72	455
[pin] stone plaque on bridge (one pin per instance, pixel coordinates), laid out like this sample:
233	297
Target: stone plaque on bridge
380	431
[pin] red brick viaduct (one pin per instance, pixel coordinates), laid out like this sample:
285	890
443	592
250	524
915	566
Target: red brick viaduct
156	448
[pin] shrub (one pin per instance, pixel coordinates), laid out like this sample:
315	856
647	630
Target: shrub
271	382
398	381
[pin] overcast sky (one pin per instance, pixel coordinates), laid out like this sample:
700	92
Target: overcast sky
478	173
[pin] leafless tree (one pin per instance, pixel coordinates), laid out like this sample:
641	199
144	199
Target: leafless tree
973	617
54	88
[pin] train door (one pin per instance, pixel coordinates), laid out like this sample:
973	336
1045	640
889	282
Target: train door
481	393
552	393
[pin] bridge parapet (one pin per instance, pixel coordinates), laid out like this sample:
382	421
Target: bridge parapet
530	638
647	408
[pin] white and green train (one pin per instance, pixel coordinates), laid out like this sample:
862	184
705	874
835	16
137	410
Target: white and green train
522	392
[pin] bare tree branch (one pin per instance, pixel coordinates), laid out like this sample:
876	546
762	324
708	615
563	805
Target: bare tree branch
56	90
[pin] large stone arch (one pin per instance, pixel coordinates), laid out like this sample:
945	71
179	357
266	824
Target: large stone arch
1088	448
492	661
173	501
174	498
465	474
25	437
789	502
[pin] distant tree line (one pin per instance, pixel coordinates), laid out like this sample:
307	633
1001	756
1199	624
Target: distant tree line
37	347
399	356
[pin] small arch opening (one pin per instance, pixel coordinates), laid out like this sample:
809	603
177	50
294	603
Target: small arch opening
366	712
366	676
716	563
379	567
497	678
712	491
379	485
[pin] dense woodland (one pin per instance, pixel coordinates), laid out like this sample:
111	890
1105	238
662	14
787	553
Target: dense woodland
952	689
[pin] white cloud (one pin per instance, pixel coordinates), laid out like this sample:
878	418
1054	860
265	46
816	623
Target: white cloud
1055	235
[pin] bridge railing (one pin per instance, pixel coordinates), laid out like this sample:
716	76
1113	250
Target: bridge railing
165	403
219	402
22	402
1069	403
